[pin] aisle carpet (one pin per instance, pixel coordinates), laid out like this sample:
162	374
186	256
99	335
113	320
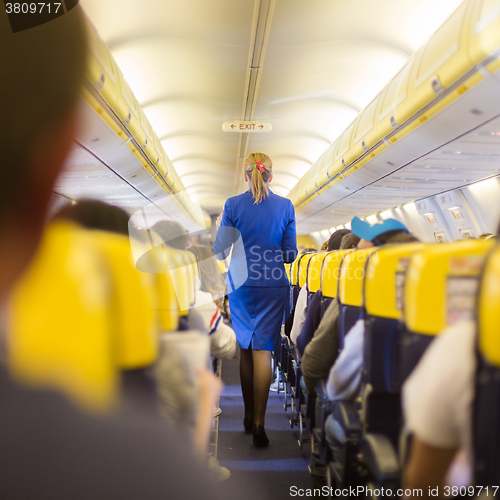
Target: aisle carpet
273	470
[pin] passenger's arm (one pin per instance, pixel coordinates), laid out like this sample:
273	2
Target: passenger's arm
299	314
310	324
427	467
437	401
344	380
209	390
321	352
226	234
222	338
289	241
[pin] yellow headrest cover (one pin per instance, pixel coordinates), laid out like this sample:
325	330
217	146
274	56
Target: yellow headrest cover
59	320
488	313
314	272
384	281
288	270
330	272
304	260
352	273
168	306
192	272
181	279
134	304
441	284
294	271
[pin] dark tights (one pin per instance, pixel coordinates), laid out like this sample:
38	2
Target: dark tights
255	374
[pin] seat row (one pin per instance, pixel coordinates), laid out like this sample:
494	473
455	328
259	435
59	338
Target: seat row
100	316
406	295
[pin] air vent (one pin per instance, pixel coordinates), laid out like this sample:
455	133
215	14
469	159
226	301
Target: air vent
364	147
394	123
128	120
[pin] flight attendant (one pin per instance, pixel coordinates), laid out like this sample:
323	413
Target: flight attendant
260	227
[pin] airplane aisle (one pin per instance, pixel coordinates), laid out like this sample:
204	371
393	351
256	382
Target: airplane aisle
271	470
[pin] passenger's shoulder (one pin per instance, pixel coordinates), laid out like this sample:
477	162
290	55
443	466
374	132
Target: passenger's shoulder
455	339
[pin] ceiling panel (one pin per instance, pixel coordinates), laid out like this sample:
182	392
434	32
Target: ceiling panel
187	63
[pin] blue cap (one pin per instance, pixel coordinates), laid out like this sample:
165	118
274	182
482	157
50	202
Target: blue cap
370	232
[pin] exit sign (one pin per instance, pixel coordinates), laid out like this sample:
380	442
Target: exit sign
248	126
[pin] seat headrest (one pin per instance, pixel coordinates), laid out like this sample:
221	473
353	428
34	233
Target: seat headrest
314	271
134	304
302	268
59	329
384	281
330	272
441	285
352	273
488	312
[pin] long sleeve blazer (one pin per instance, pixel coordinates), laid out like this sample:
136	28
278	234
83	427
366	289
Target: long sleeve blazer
262	237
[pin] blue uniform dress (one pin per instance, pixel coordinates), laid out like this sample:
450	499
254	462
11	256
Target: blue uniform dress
262	237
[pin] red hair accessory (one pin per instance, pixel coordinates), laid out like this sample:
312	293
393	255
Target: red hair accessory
260	166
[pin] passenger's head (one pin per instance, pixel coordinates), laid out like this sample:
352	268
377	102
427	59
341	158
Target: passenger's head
258	173
307	250
382	233
336	239
349	241
172	234
324	246
486	236
40	80
210	275
94	214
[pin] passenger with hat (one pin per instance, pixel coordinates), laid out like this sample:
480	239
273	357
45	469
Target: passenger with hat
320	355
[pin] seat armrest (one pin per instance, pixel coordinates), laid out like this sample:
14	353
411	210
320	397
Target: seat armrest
297	356
347	415
381	461
321	390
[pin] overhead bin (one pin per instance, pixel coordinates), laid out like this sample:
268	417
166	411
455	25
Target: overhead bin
484	41
395	107
450	64
365	132
344	152
124	115
102	71
442	60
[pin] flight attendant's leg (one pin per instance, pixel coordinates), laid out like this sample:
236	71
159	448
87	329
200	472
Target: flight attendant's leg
261	382
262	374
246	376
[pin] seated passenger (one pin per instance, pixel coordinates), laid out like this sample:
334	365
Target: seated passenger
437	404
49	450
349	241
299	317
95	214
209	297
345	377
322	350
172	233
313	313
175	236
138	385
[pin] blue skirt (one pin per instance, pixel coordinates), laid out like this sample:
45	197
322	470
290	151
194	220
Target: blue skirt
257	315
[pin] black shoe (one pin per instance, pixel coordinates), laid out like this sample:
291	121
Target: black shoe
260	439
248	423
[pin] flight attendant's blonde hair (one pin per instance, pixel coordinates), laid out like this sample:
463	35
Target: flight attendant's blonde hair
259	168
